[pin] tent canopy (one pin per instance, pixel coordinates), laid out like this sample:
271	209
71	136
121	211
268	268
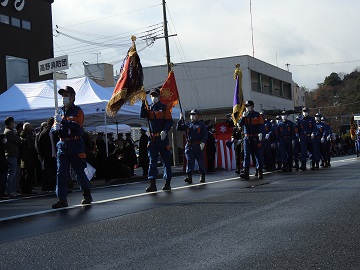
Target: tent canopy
34	103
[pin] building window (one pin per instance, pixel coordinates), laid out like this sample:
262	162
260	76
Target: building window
15	22
17	70
4	19
26	25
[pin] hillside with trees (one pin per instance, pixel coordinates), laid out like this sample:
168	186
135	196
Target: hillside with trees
336	99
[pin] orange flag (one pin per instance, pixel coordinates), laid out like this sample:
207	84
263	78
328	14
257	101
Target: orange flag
169	92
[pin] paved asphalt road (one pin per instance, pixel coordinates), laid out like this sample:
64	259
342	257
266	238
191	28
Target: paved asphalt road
298	220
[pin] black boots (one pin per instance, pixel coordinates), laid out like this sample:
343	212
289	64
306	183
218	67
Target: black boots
167	186
303	166
87	197
152	186
245	174
202	178
60	204
188	179
260	176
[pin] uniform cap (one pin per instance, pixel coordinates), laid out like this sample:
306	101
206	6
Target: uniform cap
68	89
317	115
278	117
249	103
155	91
284	113
194	111
304	109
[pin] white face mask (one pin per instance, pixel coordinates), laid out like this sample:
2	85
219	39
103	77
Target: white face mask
305	114
154	99
317	119
249	108
66	101
284	117
193	118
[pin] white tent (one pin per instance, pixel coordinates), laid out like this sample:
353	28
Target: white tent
34	102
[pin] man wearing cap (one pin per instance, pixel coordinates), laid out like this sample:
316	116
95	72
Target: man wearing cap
286	137
160	122
68	125
253	124
196	133
357	142
307	132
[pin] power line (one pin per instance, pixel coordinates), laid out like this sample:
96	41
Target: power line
104	18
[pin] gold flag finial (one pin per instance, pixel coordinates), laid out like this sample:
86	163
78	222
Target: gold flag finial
237	71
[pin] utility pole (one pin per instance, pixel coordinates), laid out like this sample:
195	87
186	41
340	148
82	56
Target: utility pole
166	37
174	133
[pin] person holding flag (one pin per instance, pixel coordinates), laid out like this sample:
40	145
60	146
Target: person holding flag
238	108
160	122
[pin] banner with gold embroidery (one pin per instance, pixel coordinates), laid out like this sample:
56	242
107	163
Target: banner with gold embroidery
169	92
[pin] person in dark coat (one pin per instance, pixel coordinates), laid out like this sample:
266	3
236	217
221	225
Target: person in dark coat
130	153
47	151
29	158
101	156
210	148
143	152
116	163
3	167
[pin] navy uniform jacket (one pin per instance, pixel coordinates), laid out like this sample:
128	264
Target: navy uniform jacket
253	123
306	126
196	131
159	116
286	129
71	128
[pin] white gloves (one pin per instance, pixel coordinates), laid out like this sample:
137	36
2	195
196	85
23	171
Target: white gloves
260	136
4	140
312	135
58	118
57	126
163	135
328	137
267	136
245	114
202	145
181	115
322	140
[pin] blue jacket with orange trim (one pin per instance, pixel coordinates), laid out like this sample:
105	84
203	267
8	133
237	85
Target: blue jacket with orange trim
253	123
159	116
72	122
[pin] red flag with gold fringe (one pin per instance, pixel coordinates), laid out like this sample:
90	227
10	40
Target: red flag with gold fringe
352	128
129	87
169	92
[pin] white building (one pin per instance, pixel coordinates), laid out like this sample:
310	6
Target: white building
208	85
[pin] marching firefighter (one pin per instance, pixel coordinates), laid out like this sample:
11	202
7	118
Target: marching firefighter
197	136
68	125
160	123
307	132
253	123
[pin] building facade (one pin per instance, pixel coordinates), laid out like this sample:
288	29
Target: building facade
208	85
27	38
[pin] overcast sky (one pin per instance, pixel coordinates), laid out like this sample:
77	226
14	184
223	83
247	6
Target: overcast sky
316	37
